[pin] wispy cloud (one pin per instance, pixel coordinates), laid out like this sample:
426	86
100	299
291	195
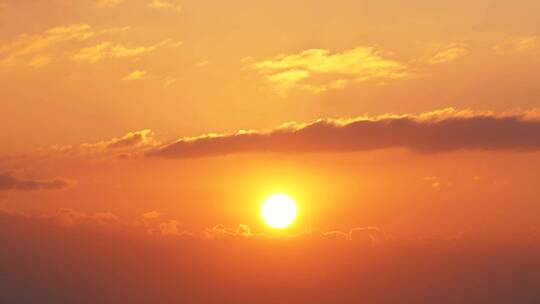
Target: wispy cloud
10	182
320	70
518	44
165	4
135	75
107	3
449	54
40	50
108	49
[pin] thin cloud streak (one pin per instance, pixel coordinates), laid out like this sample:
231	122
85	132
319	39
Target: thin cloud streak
10	182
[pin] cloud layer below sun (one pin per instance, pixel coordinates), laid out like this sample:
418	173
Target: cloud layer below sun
96	258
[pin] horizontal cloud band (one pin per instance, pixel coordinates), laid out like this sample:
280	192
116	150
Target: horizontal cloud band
439	131
8	182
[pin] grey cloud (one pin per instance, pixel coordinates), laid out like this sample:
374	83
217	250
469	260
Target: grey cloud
9	182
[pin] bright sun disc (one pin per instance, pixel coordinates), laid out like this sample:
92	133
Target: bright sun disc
278	211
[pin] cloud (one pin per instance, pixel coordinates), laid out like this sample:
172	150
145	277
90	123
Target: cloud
448	55
518	44
170	228
318	236
319	70
437	131
132	139
128	266
164	4
107	50
9	182
69	218
131	144
107	3
135	75
27	49
201	64
367	236
220	231
151	215
40	50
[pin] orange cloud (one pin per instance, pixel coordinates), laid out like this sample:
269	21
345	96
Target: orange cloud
133	143
366	235
170	228
40	50
436	131
449	54
108	49
135	75
221	231
151	215
518	44
320	70
164	4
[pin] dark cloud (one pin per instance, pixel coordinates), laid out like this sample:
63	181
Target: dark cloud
9	182
439	131
45	263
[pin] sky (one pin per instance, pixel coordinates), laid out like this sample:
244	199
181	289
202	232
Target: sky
401	129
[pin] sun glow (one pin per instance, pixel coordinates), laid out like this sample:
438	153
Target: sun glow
279	211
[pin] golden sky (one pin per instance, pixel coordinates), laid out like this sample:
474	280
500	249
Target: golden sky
403	130
184	68
369	113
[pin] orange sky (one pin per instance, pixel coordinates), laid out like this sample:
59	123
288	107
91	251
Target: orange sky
95	93
140	138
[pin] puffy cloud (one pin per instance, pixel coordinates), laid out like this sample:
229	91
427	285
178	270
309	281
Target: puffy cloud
109	49
220	231
170	227
437	131
39	50
449	54
320	70
9	182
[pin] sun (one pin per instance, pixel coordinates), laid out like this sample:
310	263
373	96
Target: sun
278	211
